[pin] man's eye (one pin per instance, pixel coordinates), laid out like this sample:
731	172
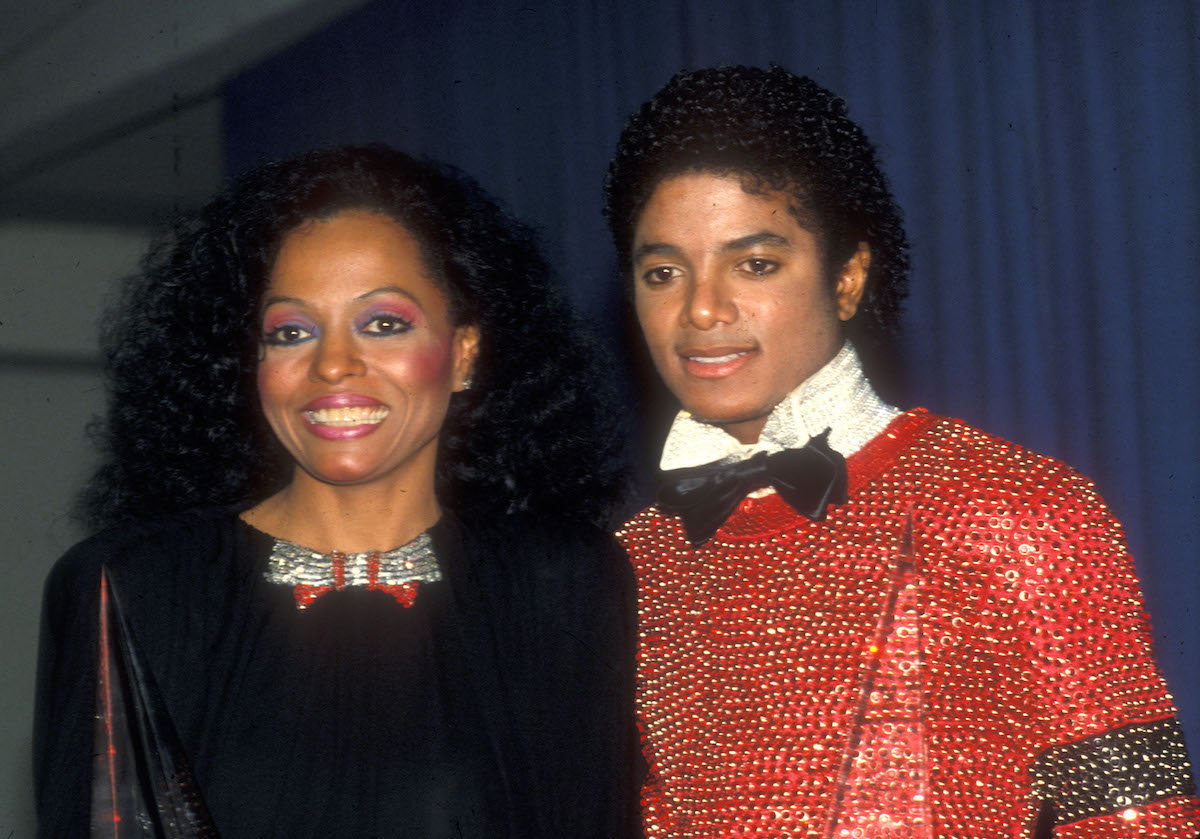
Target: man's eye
761	267
386	325
289	333
659	275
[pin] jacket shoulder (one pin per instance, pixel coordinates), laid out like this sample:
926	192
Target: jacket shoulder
131	544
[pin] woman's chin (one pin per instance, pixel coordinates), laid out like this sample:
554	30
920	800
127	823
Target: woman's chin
342	475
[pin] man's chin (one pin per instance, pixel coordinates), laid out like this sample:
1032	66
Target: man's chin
744	426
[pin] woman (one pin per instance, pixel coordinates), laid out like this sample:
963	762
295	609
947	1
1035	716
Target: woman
391	608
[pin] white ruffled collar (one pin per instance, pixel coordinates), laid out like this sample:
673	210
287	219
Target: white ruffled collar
837	397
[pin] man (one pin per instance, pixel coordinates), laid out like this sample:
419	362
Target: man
855	621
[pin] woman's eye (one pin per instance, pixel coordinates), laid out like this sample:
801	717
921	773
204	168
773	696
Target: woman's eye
386	325
760	267
288	333
659	275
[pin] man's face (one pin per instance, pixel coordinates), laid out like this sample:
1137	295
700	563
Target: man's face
733	298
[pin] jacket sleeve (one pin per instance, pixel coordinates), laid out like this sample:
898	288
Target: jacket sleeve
1114	762
65	698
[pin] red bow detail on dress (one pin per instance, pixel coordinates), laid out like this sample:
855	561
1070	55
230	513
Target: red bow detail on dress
405	593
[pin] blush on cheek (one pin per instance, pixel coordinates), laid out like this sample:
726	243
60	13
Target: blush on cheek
432	364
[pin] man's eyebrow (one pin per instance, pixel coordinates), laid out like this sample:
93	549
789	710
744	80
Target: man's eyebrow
761	238
655	249
741	243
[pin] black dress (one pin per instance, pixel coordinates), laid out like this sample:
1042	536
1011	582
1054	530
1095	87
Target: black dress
498	704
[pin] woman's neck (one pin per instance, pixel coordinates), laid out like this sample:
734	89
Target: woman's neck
352	519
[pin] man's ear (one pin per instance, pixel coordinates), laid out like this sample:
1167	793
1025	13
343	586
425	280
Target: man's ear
852	282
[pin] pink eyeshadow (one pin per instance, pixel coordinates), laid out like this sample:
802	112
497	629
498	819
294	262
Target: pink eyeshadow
275	319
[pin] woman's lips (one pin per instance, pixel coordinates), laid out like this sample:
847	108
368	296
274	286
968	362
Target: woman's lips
343	416
715	362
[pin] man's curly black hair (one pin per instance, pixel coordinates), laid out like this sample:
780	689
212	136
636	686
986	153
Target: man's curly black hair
780	132
534	434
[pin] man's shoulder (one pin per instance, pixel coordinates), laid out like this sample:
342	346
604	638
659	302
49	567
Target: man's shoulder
967	467
937	463
956	443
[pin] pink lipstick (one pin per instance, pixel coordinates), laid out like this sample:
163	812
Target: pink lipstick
343	416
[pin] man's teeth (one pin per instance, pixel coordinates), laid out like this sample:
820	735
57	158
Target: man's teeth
356	415
715	359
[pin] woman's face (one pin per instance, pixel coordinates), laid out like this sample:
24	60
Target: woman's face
359	355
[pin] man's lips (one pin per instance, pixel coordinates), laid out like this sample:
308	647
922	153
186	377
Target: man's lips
715	362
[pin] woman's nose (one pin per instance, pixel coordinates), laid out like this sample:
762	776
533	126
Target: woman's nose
336	358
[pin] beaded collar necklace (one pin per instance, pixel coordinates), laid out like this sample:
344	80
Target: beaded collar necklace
399	571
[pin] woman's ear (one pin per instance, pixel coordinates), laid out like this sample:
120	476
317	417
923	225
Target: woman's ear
466	349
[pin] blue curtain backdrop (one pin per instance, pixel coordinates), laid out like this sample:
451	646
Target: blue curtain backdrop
1047	156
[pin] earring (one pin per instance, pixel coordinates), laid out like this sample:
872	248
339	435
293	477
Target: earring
467	382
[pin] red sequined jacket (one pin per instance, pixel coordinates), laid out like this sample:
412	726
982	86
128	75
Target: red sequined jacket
961	650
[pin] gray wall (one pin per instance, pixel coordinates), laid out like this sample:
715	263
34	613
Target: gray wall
54	277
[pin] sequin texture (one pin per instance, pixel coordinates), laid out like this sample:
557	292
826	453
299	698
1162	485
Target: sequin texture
311	574
916	665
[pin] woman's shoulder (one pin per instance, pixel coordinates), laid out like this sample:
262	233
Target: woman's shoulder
542	542
131	545
533	551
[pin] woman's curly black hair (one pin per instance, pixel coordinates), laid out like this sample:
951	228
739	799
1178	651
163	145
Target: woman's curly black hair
534	434
779	132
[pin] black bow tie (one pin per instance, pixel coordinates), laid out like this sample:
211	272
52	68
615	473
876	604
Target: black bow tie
809	479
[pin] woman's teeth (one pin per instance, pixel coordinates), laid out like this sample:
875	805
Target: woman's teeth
356	415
